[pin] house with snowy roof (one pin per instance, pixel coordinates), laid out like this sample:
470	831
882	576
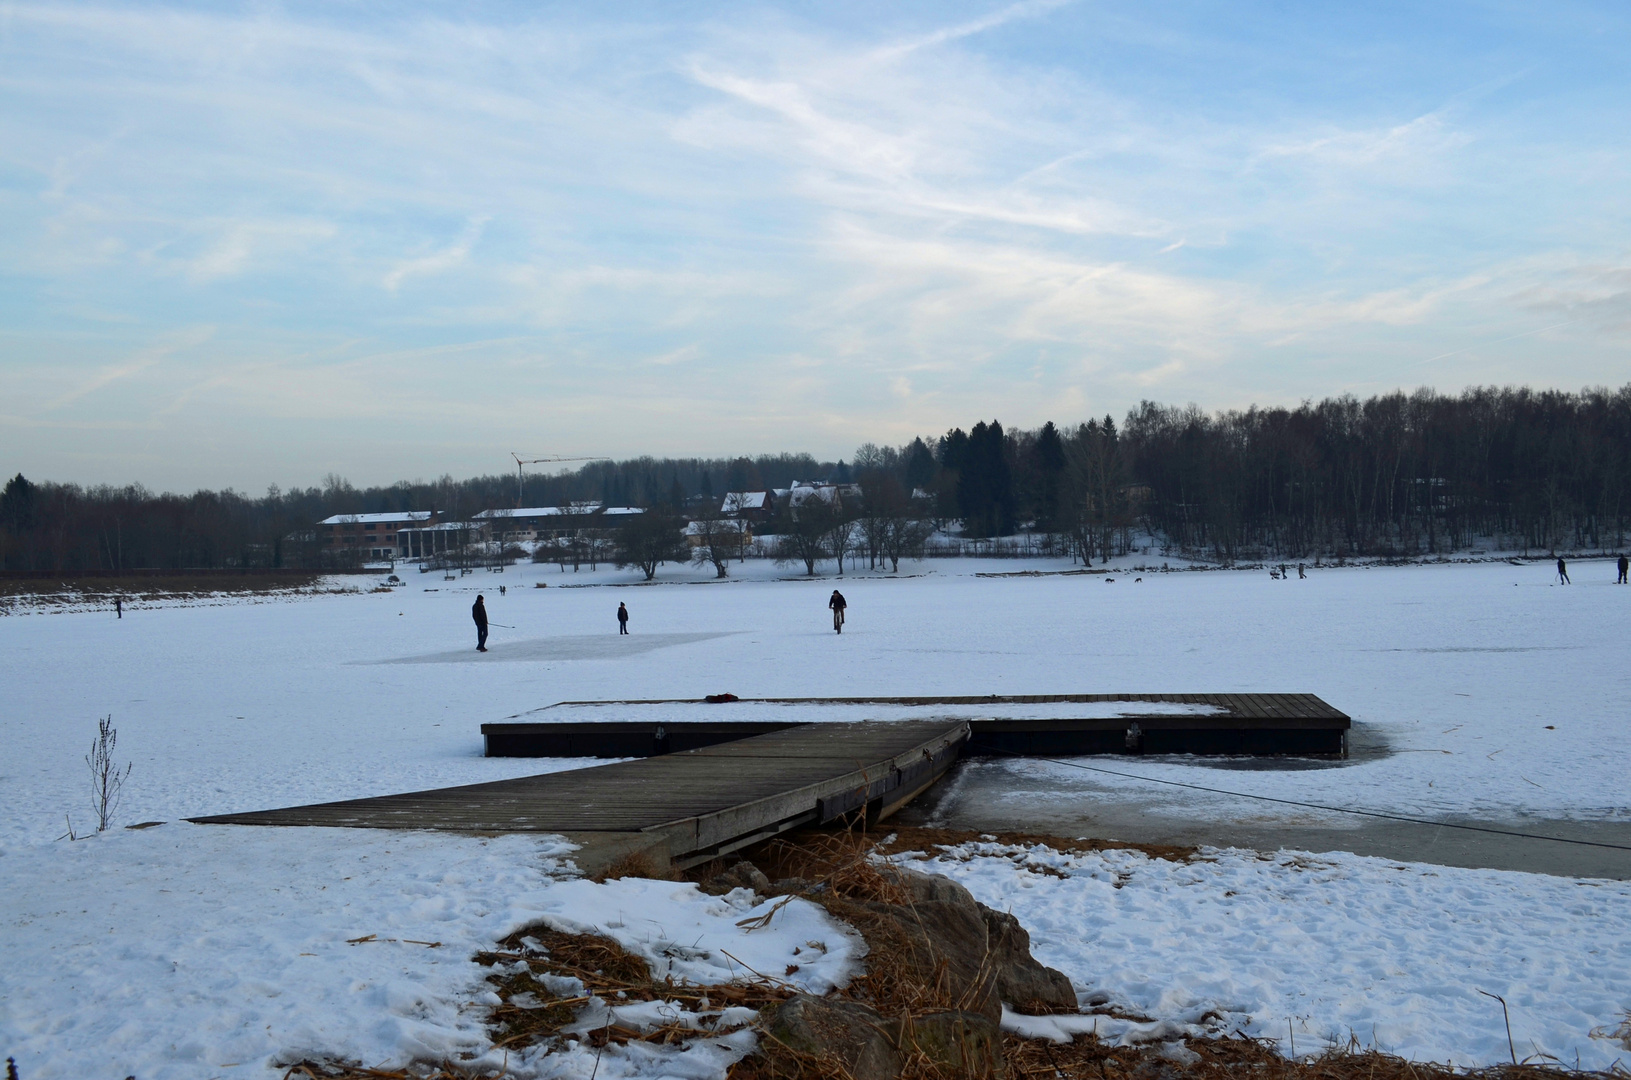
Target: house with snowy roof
749	505
835	496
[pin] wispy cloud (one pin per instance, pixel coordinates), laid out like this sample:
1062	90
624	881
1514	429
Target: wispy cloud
439	262
765	228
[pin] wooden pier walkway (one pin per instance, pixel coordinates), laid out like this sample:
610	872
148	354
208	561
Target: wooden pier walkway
1231	724
687	806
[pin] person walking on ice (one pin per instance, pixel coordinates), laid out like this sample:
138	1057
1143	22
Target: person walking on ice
622	619
1624	566
1562	571
838	604
478	612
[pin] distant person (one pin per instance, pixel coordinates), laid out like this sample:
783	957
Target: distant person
622	618
478	612
1624	566
501	590
838	604
1302	572
1562	571
119	604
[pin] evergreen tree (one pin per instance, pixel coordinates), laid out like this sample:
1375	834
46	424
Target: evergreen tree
920	467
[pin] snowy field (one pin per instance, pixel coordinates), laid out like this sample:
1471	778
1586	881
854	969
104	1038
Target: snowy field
1487	692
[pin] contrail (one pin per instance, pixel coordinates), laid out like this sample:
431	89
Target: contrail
1514	337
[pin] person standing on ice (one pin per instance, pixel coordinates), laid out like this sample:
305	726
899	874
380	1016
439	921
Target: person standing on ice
1562	571
1624	566
622	619
119	603
478	612
838	604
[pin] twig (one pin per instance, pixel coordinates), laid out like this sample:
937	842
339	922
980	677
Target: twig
762	975
1510	1048
759	922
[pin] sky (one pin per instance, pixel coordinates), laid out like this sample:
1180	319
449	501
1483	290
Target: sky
255	244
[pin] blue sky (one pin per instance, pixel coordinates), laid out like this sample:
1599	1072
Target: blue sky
255	244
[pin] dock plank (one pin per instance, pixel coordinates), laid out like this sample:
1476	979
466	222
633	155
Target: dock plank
696	801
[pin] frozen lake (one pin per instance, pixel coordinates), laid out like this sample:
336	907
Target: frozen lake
1477	691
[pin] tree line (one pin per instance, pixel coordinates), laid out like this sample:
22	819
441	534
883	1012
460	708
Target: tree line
1392	475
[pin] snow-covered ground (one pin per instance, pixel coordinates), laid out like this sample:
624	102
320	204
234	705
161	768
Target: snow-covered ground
189	951
1495	694
1315	950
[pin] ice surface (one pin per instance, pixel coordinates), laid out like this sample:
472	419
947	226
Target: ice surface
246	706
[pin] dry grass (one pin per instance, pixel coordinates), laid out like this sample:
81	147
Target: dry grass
606	971
900	980
1230	1059
637	864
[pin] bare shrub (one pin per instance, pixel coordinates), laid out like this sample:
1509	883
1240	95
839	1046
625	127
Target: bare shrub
107	780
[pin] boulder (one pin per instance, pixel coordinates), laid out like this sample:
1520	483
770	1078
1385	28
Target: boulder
921	887
846	1032
956	1043
1023	982
996	951
940	944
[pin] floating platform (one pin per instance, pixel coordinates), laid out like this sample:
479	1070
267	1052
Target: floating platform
1299	725
686	806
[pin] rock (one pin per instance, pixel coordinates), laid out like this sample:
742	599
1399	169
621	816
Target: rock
744	875
796	885
961	1044
843	1031
929	887
1022	981
942	944
946	914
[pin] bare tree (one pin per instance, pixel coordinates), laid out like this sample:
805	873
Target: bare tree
841	535
805	534
107	781
650	539
905	538
719	538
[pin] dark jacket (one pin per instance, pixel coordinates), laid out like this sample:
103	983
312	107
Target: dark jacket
622	613
478	612
837	603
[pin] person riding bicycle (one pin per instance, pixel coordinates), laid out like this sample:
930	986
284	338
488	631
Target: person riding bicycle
838	604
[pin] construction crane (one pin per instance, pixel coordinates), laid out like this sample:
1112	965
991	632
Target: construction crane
521	461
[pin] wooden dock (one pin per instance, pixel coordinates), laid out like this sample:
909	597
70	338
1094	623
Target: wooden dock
1224	724
690	805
